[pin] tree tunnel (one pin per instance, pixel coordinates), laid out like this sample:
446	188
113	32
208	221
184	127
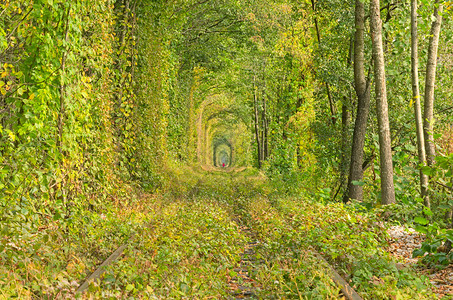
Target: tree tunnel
223	134
222	152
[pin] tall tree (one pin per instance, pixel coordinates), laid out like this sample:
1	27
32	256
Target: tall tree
332	106
387	185
362	87
430	81
257	130
417	106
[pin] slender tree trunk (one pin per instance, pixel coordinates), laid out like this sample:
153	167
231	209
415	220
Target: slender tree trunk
387	186
265	130
61	113
333	109
345	121
363	107
417	106
257	130
430	82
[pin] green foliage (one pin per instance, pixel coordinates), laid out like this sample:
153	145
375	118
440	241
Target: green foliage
186	250
345	237
55	139
101	99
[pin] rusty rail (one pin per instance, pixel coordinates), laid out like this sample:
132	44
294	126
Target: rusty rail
347	290
101	269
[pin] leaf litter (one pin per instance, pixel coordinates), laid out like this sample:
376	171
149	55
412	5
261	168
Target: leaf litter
402	242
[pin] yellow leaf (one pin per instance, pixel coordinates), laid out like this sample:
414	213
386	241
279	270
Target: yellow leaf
4	74
32	96
11	135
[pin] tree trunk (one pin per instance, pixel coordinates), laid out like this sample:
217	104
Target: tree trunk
265	130
385	150
333	110
345	121
61	113
363	107
417	106
430	81
257	130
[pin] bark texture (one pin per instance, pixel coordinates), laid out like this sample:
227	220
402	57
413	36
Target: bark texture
257	130
385	150
430	82
363	107
417	106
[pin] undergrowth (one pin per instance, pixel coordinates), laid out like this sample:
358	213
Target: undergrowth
186	243
345	237
175	249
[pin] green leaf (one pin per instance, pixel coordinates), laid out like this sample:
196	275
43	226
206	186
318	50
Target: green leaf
359	183
57	216
449	235
449	173
427	211
129	287
418	253
110	278
36	246
421	220
427	171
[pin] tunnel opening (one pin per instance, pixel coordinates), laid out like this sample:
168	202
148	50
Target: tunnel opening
223	132
222	152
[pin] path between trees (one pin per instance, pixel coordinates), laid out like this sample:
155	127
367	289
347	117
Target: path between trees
229	240
242	285
241	282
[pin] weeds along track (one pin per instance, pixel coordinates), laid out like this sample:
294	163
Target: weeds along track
293	232
214	244
282	266
224	240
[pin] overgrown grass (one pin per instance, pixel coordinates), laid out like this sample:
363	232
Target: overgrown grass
185	243
178	249
184	249
288	269
345	237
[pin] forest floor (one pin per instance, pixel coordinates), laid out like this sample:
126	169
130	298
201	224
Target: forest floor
231	238
402	241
